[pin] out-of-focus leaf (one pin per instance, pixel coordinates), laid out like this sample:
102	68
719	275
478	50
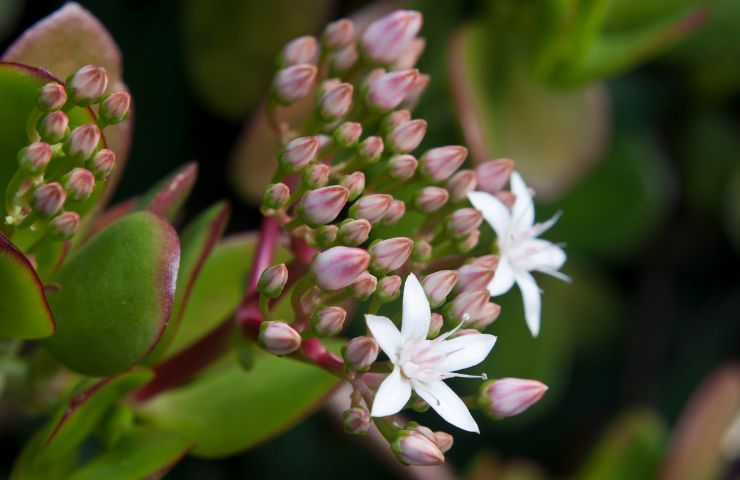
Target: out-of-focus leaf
232	45
24	312
627	14
631	448
694	450
486	466
167	197
115	295
10	10
249	407
732	208
142	453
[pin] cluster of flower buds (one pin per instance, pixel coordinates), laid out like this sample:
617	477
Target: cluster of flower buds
66	162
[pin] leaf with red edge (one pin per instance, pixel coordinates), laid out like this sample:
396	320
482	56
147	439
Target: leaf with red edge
167	196
24	312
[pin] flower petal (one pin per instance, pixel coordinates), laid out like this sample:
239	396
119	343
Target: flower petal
447	404
466	351
522	213
386	334
503	279
416	311
392	395
493	210
532	302
538	254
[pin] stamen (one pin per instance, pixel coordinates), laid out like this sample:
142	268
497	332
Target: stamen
465	318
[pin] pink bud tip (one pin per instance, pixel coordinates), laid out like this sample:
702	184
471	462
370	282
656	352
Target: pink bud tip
54	127
79	183
389	288
279	338
435	325
411	55
298	153
387	38
469	242
326	235
474	277
506	197
460	184
407	136
88	85
396	211
389	90
335	102
103	163
116	107
493	175
49	199
439	163
356	420
65	224
273	280
338	34
329	321
463	222
354	232
355	183
444	441
371	149
51	97
316	176
371	207
394	119
360	353
322	205
364	286
402	167
347	134
414	448
507	397
295	82
34	158
300	50
276	196
83	141
468	305
489	261
344	58
338	267
391	254
438	285
486	316
431	199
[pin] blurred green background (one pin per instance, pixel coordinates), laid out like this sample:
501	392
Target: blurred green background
629	124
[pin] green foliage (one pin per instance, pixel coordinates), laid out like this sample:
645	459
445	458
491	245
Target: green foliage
168	196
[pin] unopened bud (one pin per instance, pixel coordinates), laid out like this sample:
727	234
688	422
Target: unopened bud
338	34
103	163
322	205
411	55
396	210
82	142
298	153
316	176
416	91
310	300
273	280
422	251
463	222
414	448
486	316
493	175
277	195
388	37
335	102
79	184
344	58
354	232
87	85
360	353
489	261
439	163
347	134
390	254
469	242
371	149
294	83
34	158
474	277
460	184
337	267
356	420
430	199
407	136
402	167
506	197
278	338
326	235
51	97
394	119
355	183
444	441
507	397
467	305
388	91
371	207
116	107
435	325
300	50
54	127
438	285
64	225
49	199
389	288
364	286
329	321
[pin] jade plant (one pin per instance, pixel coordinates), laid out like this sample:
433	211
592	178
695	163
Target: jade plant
139	343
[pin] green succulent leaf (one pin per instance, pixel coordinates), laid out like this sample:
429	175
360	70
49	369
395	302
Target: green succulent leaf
168	196
24	312
115	295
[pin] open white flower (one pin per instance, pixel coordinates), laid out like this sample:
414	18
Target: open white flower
422	364
520	251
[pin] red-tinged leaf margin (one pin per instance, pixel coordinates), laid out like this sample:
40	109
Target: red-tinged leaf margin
170	195
111	215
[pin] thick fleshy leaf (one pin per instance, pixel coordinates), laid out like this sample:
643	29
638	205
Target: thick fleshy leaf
167	197
249	407
115	295
142	453
24	312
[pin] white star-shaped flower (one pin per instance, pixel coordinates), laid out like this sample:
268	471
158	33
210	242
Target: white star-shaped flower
520	251
422	364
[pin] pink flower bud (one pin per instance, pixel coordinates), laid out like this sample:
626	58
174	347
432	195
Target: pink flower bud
389	288
391	254
411	55
355	183
386	39
335	102
507	397
49	199
422	251
326	235
396	211
438	285
407	136
444	441
394	119
486	316
322	205
489	261
34	158
371	149
338	267
298	153
467	304
469	242
294	83
316	176
82	142
493	175
325	141
347	134
439	163
460	184
278	338
310	300
344	58
430	199
54	127
435	325
338	34
300	50
364	286
360	353
328	321
116	107
402	167
388	91
51	97
354	232
416	91
103	163
65	224
474	277
371	207
87	85
276	196
273	280
79	183
356	420
463	222
414	448
506	197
